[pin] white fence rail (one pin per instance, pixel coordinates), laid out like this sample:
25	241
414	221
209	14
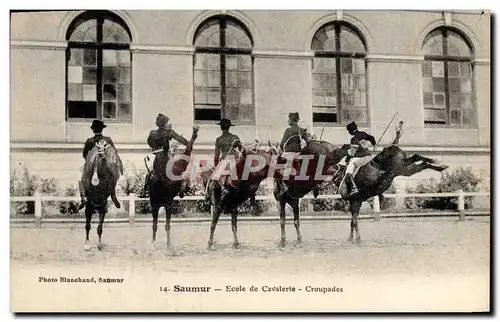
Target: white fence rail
132	198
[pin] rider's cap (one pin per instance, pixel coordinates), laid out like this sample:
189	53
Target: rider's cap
98	125
351	127
225	122
294	117
161	120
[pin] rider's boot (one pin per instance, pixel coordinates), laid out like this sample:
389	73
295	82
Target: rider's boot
83	201
354	188
83	198
145	189
184	189
115	200
315	192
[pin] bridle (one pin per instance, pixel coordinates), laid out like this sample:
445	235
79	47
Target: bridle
102	148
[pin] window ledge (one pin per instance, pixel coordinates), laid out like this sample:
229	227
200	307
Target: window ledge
89	121
448	127
339	125
144	148
214	124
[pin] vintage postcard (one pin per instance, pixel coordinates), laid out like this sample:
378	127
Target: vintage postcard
250	160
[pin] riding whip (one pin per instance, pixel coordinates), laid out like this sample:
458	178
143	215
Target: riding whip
385	131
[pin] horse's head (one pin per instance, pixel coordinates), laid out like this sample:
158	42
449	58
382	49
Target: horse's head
102	148
274	150
103	164
335	156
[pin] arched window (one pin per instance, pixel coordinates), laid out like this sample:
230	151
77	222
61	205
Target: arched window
339	75
98	68
223	72
447	79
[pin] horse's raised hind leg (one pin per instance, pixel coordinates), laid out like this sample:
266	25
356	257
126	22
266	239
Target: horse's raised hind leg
437	168
167	224
296	218
283	223
215	219
88	218
354	206
154	211
234	227
102	214
416	168
416	157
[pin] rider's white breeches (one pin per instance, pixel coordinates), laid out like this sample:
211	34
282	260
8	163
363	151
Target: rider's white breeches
355	163
352	165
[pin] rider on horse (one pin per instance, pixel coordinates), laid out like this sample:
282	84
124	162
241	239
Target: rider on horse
291	144
225	145
359	153
97	127
158	140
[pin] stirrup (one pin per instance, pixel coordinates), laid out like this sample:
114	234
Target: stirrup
353	192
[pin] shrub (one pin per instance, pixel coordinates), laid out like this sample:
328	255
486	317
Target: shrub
26	184
257	207
23	184
197	189
328	204
133	182
69	207
460	178
386	203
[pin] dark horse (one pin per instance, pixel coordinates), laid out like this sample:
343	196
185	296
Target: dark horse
376	176
372	179
163	187
101	172
243	189
323	158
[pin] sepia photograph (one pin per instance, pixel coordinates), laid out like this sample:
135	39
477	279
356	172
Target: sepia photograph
320	161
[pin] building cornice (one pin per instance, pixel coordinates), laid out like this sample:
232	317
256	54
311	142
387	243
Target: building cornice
258	53
38	44
159	49
482	61
388	58
282	54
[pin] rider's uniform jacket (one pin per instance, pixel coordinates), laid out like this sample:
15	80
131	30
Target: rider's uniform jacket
223	145
292	136
159	139
89	144
359	136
